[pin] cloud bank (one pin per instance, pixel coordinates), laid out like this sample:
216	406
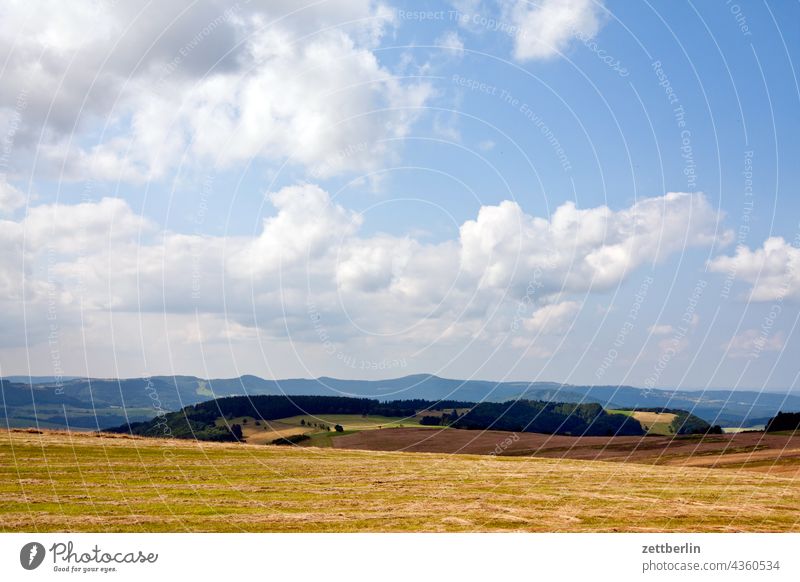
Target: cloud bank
101	258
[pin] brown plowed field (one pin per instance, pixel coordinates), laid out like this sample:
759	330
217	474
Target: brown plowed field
777	454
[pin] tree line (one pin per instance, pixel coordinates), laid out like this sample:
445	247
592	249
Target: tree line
200	421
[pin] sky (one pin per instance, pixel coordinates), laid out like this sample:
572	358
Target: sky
581	191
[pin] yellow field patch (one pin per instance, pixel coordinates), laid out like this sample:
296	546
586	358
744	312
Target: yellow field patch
651	418
261	432
652	422
351	421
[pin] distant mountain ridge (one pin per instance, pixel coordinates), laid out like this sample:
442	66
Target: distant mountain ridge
102	403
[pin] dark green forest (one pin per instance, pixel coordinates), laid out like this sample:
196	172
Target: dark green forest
784	421
548	417
198	421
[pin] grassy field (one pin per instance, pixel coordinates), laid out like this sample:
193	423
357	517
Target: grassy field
653	422
56	481
262	432
353	421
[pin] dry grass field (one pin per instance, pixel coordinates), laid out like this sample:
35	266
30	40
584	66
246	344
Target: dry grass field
652	422
57	481
264	432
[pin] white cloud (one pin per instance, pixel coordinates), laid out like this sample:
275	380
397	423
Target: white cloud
553	318
83	228
582	249
312	252
49	257
544	28
665	329
751	342
772	270
307	226
11	263
162	86
451	42
11	198
69	62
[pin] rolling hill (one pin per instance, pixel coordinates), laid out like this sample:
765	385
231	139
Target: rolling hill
100	403
214	420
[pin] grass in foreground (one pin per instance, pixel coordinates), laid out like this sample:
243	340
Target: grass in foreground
57	481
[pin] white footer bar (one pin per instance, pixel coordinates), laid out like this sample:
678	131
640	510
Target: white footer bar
401	557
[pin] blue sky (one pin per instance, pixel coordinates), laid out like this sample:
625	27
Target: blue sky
580	191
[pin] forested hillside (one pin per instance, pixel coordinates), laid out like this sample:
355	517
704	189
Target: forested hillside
200	420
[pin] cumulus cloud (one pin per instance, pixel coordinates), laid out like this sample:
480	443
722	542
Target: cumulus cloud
305	102
306	226
544	28
69	62
581	249
212	84
312	271
773	270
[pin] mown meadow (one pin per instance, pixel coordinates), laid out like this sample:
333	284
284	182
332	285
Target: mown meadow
59	481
